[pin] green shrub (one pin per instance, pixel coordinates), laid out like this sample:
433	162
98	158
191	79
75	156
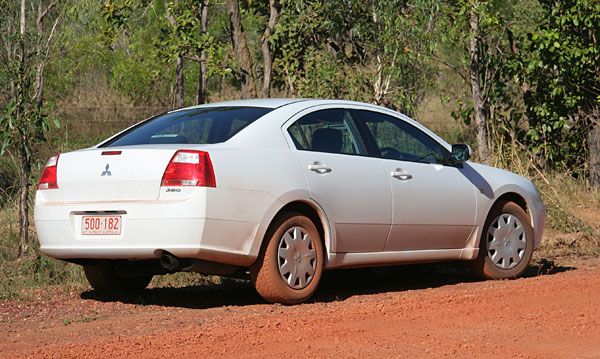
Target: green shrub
9	180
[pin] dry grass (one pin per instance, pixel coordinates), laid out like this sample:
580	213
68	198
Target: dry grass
19	276
573	228
435	114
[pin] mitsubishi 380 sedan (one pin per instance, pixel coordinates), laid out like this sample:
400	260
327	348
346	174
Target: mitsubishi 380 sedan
283	189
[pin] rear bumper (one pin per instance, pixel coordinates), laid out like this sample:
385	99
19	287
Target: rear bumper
181	227
146	239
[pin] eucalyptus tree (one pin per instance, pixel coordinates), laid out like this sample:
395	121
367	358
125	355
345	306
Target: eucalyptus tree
241	50
475	42
373	51
395	39
560	66
29	29
266	47
179	75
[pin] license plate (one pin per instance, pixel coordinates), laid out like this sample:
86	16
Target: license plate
101	225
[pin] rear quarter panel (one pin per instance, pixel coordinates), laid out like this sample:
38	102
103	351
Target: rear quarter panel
253	183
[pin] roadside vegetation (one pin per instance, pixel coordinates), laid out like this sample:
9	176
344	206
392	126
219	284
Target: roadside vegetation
518	80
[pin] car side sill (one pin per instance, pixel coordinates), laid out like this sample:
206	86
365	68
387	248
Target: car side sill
345	260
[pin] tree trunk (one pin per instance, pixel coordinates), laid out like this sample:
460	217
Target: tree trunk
23	153
202	70
43	48
242	53
594	152
266	50
28	108
179	89
24	206
9	53
39	68
480	120
179	75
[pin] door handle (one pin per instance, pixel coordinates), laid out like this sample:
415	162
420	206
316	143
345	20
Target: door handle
319	167
401	174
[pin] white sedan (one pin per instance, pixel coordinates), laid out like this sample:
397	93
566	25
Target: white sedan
284	189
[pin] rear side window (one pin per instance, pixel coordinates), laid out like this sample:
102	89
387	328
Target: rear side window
193	126
331	131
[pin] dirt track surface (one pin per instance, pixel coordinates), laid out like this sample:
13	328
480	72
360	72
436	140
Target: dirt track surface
418	311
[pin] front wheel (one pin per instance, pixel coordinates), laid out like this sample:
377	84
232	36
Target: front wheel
506	243
105	279
289	268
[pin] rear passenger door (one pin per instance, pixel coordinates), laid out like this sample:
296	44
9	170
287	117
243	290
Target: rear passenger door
349	185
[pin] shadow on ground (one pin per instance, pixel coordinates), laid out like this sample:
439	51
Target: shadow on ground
335	285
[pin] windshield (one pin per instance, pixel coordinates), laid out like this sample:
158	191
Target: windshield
193	126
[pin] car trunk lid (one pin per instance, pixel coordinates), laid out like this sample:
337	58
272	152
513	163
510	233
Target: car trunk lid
112	174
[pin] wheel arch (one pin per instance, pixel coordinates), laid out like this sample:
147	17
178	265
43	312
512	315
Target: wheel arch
512	197
535	212
306	209
303	206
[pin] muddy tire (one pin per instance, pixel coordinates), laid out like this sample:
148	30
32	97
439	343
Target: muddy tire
506	243
290	265
105	279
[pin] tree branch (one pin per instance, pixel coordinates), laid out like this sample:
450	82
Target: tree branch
44	13
170	16
195	58
452	67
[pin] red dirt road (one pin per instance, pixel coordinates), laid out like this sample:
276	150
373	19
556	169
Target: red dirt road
419	311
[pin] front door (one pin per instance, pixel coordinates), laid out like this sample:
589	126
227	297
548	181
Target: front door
434	203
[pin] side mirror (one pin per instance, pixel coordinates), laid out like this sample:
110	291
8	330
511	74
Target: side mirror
461	153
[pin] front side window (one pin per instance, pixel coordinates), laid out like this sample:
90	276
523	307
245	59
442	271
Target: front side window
397	140
194	126
331	131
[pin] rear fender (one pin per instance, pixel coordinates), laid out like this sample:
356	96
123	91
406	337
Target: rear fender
277	206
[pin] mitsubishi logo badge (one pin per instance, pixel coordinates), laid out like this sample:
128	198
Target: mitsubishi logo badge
106	171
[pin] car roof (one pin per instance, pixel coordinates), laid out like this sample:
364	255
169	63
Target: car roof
259	102
274	103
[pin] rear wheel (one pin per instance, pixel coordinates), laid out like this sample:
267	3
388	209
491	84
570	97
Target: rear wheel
506	244
289	267
105	279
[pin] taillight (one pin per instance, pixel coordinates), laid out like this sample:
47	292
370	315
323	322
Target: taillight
189	168
110	153
48	178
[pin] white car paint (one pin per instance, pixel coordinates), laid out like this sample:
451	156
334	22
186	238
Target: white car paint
367	215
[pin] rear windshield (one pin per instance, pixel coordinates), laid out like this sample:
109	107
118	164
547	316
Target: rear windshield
194	126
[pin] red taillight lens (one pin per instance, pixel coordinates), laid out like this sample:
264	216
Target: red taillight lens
48	178
110	153
189	168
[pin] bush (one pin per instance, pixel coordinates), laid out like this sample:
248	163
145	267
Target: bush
9	181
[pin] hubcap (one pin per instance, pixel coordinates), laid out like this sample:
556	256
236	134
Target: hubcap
506	241
297	258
